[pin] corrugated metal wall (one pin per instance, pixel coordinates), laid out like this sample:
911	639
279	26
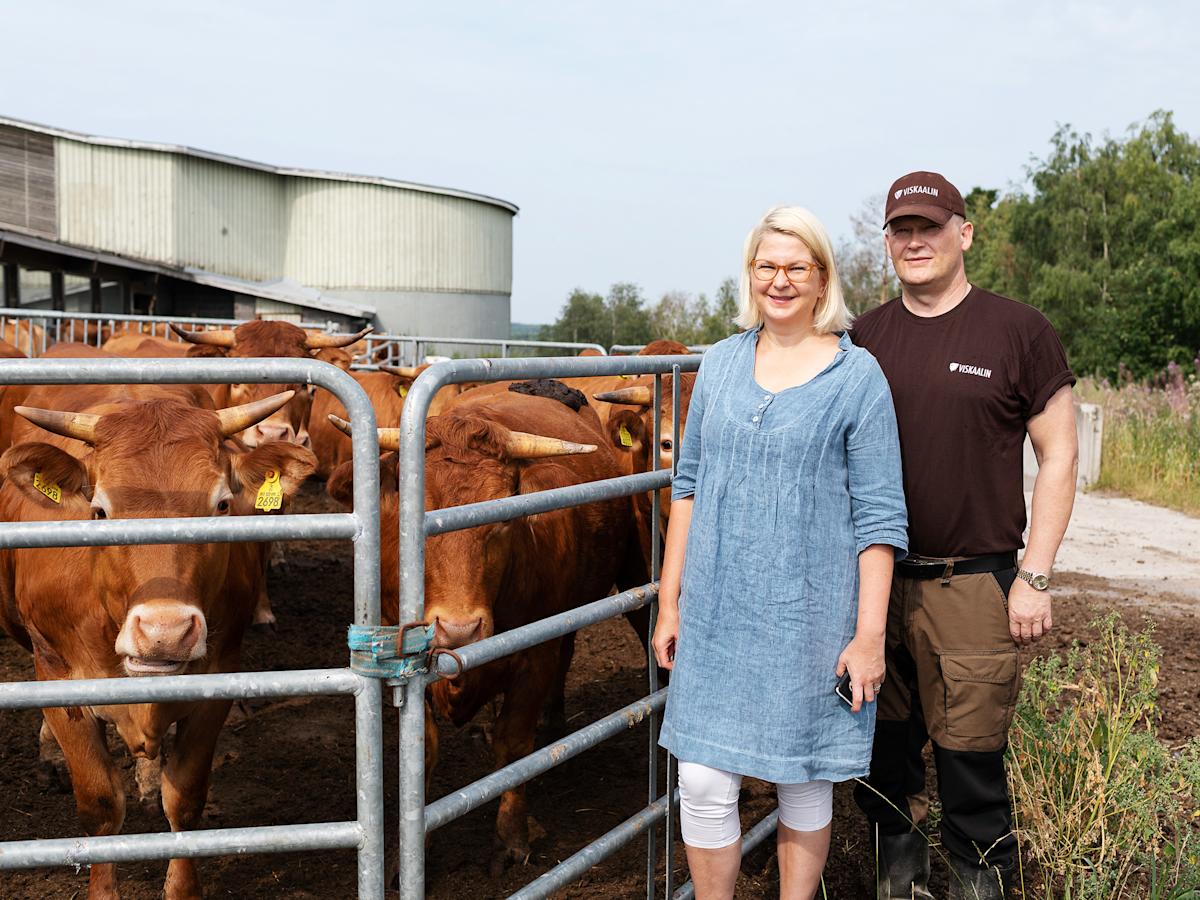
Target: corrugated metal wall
230	220
348	236
328	234
117	199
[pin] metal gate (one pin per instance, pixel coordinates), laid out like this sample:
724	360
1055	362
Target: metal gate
416	818
364	834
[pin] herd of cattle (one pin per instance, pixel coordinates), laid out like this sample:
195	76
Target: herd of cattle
149	451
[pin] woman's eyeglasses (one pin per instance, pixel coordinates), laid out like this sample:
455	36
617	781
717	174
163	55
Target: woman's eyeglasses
797	273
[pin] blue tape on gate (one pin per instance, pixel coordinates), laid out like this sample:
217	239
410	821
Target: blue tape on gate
373	650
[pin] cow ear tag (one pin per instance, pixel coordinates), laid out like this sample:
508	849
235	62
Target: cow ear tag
270	495
403	392
47	487
626	437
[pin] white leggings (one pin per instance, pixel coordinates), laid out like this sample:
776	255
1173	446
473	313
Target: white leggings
708	805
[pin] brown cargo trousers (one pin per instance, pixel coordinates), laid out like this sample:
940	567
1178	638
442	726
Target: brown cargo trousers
952	677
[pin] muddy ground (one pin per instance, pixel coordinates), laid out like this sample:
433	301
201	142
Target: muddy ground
291	761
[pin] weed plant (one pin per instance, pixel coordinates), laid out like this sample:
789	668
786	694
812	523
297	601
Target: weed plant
1151	437
1107	810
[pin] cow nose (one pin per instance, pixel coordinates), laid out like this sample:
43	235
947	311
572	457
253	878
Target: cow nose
265	432
449	634
167	632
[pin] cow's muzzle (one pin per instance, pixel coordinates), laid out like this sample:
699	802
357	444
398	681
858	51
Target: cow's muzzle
161	638
452	633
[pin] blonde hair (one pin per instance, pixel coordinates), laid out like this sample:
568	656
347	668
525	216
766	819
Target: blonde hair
831	313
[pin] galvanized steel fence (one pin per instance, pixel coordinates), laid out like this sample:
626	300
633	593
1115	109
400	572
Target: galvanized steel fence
365	833
53	326
362	527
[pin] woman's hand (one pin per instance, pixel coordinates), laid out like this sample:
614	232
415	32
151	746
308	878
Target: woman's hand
863	657
666	633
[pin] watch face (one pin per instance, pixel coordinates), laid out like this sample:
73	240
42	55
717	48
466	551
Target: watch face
1040	582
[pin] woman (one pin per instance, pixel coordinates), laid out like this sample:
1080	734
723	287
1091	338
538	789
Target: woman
789	505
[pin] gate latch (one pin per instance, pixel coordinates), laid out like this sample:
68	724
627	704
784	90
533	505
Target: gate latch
399	652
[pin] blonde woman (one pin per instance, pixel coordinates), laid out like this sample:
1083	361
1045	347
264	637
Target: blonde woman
786	516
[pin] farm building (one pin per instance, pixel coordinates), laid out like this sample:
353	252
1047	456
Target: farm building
91	224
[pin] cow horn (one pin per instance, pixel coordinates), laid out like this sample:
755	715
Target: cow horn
639	395
222	337
521	445
321	341
239	418
402	371
389	438
81	426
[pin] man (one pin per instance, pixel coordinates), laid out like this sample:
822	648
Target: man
971	373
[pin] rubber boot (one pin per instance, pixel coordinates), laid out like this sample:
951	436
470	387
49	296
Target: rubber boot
970	882
903	867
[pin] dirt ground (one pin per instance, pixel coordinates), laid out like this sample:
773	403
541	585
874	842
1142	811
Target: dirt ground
291	761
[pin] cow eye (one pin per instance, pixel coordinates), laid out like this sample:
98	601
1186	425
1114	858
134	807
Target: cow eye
99	513
223	506
666	446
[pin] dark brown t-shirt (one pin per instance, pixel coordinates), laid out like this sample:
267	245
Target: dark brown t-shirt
964	385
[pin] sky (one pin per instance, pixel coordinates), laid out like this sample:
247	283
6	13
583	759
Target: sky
641	141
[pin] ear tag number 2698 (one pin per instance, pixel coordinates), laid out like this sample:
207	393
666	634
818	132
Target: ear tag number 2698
270	495
47	487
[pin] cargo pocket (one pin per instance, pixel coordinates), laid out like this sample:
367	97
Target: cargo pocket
981	692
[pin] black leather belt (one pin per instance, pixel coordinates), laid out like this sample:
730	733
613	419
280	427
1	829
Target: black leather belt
921	567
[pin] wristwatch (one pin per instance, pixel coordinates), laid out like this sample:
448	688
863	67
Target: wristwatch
1037	580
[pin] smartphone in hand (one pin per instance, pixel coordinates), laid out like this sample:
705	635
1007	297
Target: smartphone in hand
844	689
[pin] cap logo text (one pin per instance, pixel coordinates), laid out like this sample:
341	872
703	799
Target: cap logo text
916	189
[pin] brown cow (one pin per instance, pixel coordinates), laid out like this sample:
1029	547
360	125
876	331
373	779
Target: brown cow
265	338
447	394
101	612
332	447
493	578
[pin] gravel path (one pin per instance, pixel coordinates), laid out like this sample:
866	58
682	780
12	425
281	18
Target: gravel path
1137	548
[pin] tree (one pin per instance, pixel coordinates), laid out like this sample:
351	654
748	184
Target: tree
677	317
866	272
1107	244
582	320
718	323
627	315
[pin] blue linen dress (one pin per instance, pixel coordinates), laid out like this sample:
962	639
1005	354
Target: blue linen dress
789	488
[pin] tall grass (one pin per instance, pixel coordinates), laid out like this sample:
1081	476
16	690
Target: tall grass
1106	809
1151	438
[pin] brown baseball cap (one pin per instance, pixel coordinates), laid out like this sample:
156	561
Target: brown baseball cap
925	194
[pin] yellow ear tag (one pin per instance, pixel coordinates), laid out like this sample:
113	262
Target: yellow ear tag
625	377
403	392
270	495
626	437
49	488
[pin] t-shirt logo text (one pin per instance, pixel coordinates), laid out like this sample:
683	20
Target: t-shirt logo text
970	370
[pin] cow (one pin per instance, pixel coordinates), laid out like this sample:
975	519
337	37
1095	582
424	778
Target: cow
24	335
135	452
264	338
493	578
386	393
8	351
447	394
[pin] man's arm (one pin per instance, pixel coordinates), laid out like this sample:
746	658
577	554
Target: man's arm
1052	433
